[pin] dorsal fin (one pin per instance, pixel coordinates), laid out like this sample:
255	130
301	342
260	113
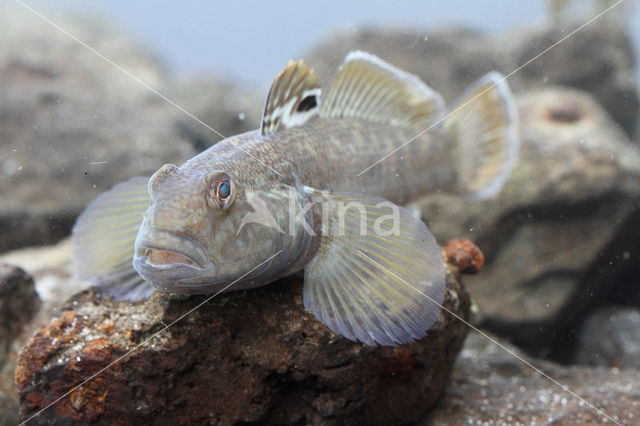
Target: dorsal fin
293	99
367	88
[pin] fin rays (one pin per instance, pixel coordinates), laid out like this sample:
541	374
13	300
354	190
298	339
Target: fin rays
285	106
357	283
367	88
103	238
484	127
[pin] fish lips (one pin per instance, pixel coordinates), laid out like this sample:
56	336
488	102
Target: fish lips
182	259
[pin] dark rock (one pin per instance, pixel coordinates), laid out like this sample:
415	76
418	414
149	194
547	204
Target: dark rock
249	356
554	235
610	336
490	386
18	305
598	59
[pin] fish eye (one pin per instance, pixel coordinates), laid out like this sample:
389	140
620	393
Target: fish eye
221	190
224	190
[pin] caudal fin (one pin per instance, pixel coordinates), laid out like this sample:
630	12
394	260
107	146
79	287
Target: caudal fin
483	124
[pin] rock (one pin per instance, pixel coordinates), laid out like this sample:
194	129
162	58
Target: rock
18	305
73	125
447	60
490	386
249	356
610	336
556	234
52	270
221	105
28	306
558	238
598	59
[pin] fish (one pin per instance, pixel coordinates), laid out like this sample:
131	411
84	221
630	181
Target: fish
322	188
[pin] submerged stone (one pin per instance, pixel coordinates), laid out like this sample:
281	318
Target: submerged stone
247	356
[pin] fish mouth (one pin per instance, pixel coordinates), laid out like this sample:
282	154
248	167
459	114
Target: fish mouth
166	258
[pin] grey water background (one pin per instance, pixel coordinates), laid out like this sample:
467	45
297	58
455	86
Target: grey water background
250	41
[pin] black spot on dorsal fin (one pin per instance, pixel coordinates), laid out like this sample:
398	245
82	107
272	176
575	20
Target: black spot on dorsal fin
307	103
293	98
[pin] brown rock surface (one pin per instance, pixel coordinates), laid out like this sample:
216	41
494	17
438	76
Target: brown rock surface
490	386
249	356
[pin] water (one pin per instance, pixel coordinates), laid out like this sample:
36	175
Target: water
250	40
565	241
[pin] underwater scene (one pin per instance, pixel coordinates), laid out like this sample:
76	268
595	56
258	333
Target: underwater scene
420	213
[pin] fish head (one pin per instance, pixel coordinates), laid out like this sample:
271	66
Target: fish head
204	231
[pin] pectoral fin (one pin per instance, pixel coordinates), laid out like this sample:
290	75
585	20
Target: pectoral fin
103	237
378	276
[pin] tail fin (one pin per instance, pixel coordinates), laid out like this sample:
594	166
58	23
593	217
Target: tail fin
483	124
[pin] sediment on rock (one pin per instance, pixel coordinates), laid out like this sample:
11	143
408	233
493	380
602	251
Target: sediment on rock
490	385
249	356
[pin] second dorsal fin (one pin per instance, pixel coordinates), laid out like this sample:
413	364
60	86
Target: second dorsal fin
293	99
367	88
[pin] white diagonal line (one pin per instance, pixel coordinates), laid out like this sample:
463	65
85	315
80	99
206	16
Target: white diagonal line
93	376
140	81
491	87
565	388
494	341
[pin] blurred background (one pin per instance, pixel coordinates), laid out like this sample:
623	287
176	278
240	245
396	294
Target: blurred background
251	40
561	279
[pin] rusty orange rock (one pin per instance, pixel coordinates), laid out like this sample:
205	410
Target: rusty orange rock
45	342
463	255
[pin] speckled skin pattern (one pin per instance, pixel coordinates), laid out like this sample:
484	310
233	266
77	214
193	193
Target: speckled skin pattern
324	154
328	155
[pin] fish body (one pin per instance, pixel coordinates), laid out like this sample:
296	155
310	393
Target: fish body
320	188
329	155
